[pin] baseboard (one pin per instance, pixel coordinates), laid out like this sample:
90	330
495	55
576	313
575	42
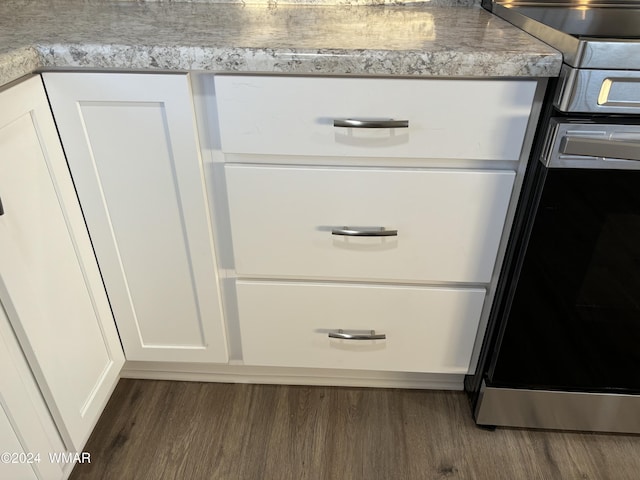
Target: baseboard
290	376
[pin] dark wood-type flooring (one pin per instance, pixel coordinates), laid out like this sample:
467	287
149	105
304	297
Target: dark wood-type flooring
181	430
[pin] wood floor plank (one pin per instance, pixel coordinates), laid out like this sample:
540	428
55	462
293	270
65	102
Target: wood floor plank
186	430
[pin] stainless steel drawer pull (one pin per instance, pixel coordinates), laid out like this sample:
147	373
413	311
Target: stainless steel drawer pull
364	336
594	147
364	232
355	123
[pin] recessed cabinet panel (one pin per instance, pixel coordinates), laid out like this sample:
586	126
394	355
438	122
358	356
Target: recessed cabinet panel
49	282
463	119
132	149
425	329
144	209
371	224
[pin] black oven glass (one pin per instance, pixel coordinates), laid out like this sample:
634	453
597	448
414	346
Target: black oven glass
574	322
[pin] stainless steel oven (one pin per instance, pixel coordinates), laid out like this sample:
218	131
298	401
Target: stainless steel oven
562	347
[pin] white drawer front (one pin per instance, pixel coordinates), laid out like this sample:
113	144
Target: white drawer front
427	329
465	119
448	222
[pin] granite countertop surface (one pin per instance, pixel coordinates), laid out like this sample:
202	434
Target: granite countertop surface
314	38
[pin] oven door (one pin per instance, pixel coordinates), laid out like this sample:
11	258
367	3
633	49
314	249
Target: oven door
574	318
566	354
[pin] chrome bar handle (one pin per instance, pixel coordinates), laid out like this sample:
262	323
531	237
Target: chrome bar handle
364	336
355	123
595	147
364	232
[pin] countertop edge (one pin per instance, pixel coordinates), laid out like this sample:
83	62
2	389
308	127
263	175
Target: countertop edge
406	41
25	60
18	63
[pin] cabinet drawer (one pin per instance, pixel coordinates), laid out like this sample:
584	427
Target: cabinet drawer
427	329
448	222
466	119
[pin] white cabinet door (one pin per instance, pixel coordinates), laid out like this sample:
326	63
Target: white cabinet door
26	426
132	149
10	444
50	285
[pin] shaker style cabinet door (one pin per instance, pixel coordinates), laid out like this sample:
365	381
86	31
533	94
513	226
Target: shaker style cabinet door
26	426
50	285
132	149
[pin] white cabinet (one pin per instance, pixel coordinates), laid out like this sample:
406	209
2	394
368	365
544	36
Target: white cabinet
50	285
132	149
340	220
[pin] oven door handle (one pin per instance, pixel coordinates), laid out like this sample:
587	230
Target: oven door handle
596	147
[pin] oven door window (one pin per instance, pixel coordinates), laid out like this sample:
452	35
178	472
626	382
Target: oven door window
574	323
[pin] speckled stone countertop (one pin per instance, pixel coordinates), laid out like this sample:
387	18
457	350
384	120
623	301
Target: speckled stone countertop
408	40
